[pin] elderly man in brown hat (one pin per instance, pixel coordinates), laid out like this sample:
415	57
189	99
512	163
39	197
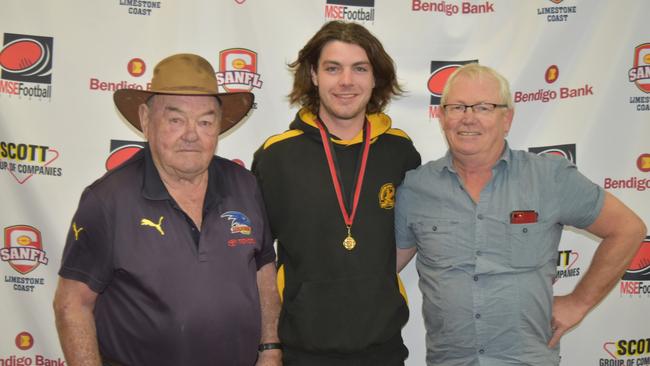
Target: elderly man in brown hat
169	259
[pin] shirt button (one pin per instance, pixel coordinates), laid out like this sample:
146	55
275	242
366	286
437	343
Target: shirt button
481	351
475	278
525	230
480	216
477	316
434	228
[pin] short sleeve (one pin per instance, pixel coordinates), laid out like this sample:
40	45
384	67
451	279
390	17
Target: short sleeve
579	199
87	256
404	237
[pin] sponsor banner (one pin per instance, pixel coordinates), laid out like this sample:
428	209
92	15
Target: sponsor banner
451	8
26	64
238	70
24	160
25	341
543	95
140	7
440	72
636	280
121	151
558	13
23	250
638	183
360	11
567	151
626	352
135	67
567	265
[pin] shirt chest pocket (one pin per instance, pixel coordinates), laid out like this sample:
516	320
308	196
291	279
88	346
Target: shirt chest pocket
437	241
533	245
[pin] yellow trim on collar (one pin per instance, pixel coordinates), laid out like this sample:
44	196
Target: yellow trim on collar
283	136
379	124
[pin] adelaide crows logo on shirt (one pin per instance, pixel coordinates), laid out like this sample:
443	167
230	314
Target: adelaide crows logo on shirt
239	223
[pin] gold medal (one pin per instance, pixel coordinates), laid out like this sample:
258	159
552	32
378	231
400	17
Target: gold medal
349	243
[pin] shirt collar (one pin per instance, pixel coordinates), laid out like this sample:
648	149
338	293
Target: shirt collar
504	160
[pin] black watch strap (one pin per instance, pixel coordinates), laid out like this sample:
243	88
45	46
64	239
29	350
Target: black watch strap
266	346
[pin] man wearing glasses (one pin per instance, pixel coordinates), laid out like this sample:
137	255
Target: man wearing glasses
486	223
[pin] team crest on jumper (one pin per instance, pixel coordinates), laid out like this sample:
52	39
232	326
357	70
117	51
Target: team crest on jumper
387	196
23	248
239	223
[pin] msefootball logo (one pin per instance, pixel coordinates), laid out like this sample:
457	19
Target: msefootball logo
121	151
238	70
639	74
23	248
567	151
26	58
639	268
350	10
440	72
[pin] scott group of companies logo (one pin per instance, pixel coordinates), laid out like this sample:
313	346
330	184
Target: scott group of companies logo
25	341
551	75
636	280
450	8
639	74
567	151
135	67
140	7
23	250
626	352
636	183
558	13
440	72
361	11
26	63
567	264
23	161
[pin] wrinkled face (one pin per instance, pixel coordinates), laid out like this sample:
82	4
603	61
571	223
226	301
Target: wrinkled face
478	136
182	132
345	80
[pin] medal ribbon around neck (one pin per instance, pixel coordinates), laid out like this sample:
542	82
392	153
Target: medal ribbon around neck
348	243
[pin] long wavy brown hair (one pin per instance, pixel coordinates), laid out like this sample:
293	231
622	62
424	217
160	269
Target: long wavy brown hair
305	93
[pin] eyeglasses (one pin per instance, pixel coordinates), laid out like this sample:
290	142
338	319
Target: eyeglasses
456	110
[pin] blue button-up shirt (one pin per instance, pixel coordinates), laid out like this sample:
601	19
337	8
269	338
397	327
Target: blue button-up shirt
487	280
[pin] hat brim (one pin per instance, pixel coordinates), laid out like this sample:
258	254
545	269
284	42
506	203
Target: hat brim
234	106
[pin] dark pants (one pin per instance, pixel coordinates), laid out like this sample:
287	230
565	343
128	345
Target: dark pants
393	353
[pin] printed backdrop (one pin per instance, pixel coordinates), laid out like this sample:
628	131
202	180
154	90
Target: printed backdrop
579	71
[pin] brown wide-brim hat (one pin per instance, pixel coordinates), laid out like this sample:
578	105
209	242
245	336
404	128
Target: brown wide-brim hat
184	74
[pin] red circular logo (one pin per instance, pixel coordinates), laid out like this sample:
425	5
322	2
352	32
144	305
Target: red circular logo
643	162
552	73
120	155
24	341
136	67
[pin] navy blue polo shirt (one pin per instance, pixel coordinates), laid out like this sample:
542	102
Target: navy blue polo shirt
164	300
